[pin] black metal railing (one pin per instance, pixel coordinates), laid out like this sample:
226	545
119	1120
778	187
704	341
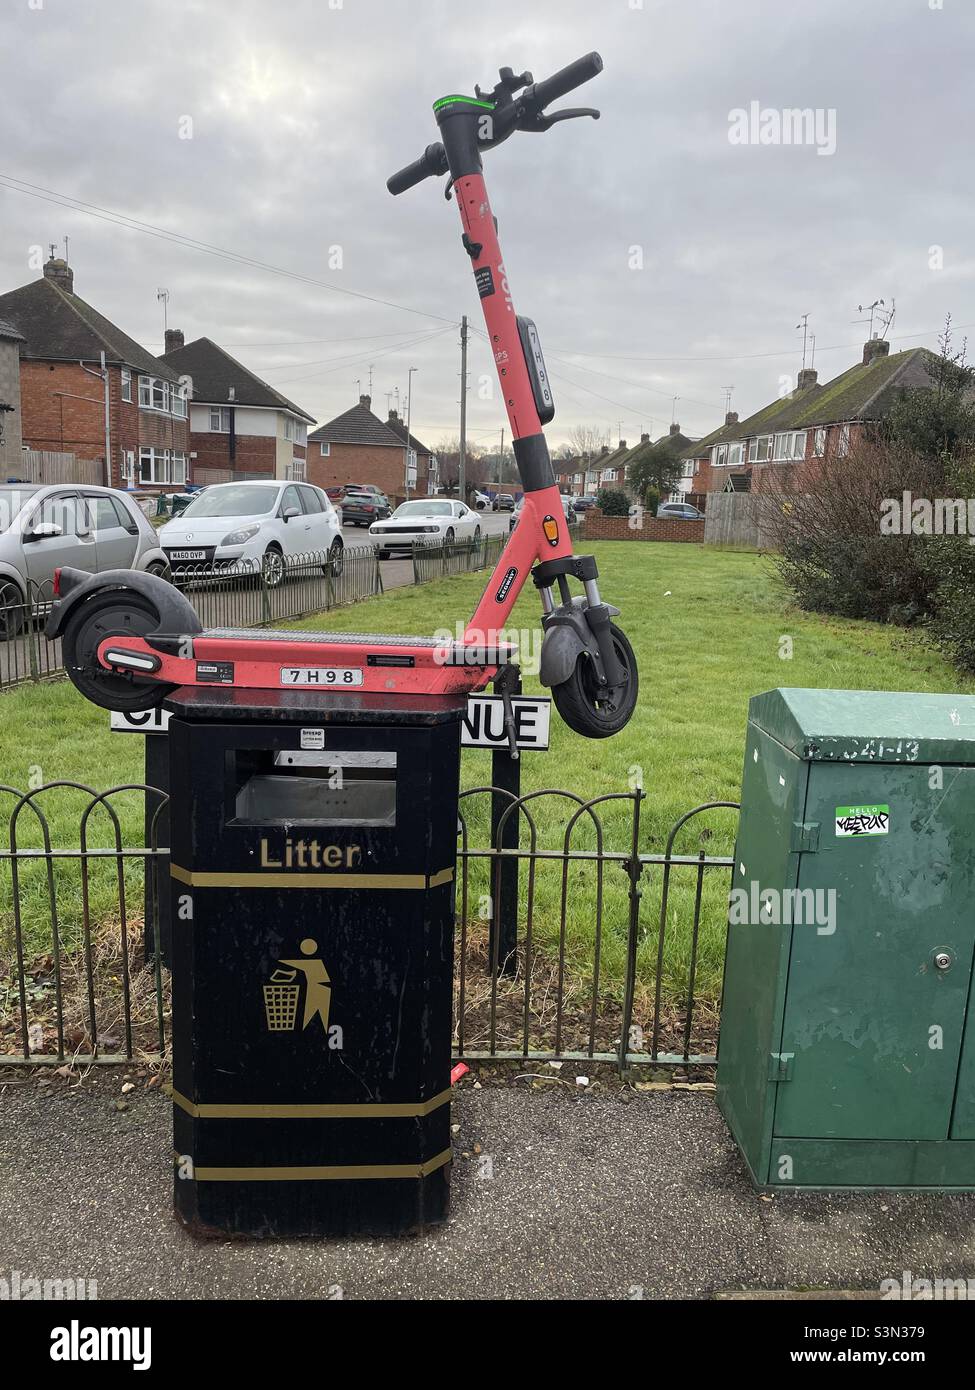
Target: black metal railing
596	950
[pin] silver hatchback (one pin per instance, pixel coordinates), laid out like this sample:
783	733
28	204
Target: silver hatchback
44	527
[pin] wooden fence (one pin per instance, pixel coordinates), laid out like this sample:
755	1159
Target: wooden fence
738	518
44	466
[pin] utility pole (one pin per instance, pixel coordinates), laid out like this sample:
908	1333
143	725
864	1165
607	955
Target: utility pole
409	408
501	458
462	458
103	373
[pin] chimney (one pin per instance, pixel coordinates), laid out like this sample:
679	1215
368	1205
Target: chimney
58	271
622	444
644	439
604	451
808	376
876	347
174	339
731	418
365	402
675	429
394	416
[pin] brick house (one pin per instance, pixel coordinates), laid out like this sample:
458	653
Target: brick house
145	438
812	422
10	430
570	474
358	447
698	474
240	427
672	444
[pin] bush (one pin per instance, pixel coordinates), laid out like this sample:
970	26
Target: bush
612	502
834	555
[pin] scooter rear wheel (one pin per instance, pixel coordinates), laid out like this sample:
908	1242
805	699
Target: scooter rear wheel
588	708
111	613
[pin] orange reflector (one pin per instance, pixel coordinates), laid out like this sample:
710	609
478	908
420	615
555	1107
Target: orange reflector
551	528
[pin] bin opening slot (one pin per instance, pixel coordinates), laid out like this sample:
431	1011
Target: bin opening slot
269	786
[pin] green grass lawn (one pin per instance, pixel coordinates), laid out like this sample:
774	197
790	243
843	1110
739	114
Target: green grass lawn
707	626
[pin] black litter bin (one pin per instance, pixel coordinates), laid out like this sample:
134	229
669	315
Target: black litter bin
313	857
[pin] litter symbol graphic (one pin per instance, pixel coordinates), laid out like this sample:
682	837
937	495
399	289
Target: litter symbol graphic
283	992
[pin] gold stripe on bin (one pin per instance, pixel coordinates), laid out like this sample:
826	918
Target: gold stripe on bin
366	1110
245	879
338	1173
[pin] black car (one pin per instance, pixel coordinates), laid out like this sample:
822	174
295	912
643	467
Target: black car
582	504
361	506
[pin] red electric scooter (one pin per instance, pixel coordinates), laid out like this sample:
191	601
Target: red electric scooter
130	638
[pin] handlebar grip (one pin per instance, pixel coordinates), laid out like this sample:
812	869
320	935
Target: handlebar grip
564	81
432	161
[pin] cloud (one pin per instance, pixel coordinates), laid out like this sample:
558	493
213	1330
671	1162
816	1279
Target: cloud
300	110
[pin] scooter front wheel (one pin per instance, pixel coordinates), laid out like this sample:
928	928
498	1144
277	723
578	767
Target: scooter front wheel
112	613
593	710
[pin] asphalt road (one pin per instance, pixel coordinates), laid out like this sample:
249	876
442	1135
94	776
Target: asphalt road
218	610
603	1194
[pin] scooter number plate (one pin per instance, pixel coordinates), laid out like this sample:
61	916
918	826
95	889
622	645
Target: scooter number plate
321	675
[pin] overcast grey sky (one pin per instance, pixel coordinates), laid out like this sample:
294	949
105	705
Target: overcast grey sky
301	108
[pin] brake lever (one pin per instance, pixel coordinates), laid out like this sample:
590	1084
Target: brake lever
539	121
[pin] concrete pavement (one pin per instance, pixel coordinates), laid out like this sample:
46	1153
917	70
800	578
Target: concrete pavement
606	1195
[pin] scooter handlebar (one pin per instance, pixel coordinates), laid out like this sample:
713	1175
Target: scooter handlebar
560	83
432	162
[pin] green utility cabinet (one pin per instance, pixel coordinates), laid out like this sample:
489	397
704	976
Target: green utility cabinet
847	1049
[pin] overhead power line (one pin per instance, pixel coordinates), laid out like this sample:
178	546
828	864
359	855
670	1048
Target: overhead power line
134	224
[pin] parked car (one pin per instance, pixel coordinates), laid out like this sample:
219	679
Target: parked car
568	511
504	502
254	526
584	503
362	505
679	511
429	519
45	527
482	502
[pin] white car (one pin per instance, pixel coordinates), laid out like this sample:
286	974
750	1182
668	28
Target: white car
429	520
254	526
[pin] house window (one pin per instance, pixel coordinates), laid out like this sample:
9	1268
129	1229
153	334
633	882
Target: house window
844	443
734	454
162	466
790	446
324	447
296	471
689	468
126	384
819	444
220	419
760	448
127	467
609	475
157	394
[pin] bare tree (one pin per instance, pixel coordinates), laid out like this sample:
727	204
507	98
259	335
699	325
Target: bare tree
587	440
